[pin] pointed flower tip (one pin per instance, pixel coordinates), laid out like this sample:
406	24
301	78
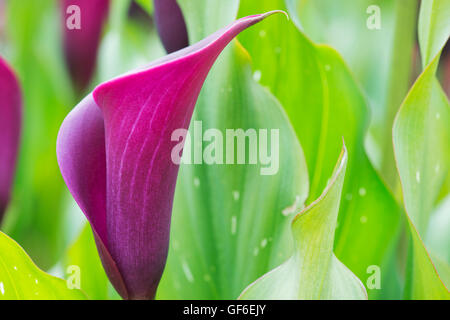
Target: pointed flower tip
339	170
259	17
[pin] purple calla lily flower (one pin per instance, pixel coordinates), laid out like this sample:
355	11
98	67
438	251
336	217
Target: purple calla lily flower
10	122
170	24
114	152
82	22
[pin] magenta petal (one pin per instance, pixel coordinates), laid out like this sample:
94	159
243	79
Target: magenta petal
170	24
10	122
81	155
81	45
114	151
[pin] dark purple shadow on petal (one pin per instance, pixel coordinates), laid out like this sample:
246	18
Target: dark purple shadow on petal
81	156
170	24
81	45
114	151
10	125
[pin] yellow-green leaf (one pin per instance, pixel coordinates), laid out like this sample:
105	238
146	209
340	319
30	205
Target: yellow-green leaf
21	279
324	104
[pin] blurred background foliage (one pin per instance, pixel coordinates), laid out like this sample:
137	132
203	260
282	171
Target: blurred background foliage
42	215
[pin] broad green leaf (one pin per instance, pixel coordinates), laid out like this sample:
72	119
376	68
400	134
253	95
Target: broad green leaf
313	272
421	133
83	257
324	104
127	44
21	279
230	222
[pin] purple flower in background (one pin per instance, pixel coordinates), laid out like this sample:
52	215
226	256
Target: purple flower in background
2	18
10	122
83	23
114	152
170	25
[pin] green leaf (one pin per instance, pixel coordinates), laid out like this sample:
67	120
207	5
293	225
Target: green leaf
127	44
231	223
313	272
437	236
421	134
93	280
21	279
376	38
324	104
423	280
434	28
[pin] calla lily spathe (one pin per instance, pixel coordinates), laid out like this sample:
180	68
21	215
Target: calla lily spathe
10	126
114	152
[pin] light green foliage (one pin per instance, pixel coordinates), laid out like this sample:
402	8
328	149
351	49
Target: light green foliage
434	28
326	106
376	39
376	225
421	136
21	279
83	255
313	272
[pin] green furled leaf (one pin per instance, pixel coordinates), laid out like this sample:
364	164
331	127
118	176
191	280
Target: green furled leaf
421	133
83	255
21	279
230	222
324	104
421	136
376	38
313	272
434	28
423	280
